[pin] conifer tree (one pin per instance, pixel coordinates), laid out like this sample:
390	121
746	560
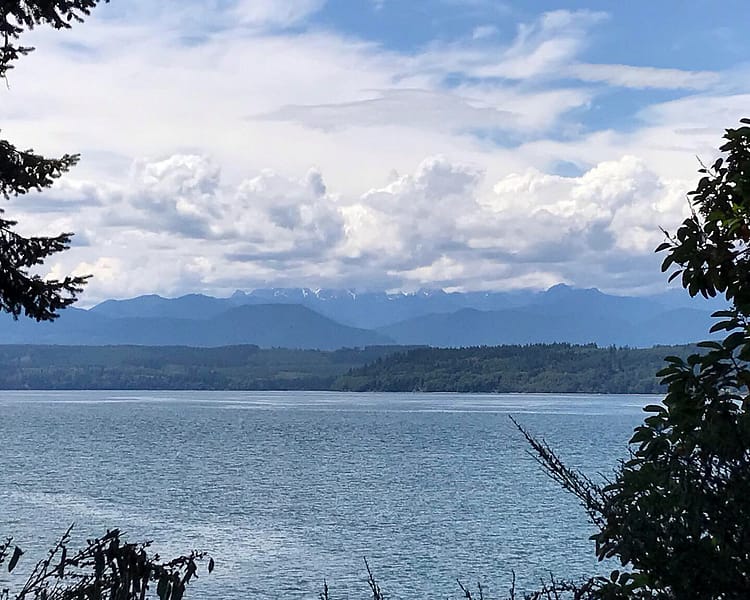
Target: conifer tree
22	291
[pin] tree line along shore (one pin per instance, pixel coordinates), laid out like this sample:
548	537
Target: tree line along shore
535	368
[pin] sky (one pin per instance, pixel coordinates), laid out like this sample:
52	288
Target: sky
374	144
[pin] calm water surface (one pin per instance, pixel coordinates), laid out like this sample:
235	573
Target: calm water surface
286	489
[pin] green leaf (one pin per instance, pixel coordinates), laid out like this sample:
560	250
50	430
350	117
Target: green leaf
178	590
162	588
709	344
728	325
733	340
17	552
674	359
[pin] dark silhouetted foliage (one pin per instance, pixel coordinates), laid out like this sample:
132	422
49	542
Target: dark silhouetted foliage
106	569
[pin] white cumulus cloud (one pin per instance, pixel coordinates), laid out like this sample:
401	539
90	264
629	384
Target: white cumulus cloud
180	227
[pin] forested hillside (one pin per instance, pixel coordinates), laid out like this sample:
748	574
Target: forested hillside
534	368
561	368
177	367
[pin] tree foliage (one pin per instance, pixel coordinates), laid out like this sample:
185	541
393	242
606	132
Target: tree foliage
564	368
676	513
243	367
497	369
106	569
21	290
17	16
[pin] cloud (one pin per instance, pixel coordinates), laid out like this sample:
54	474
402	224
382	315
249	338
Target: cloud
198	20
413	108
623	197
585	225
273	13
483	31
549	49
413	218
698	114
354	108
542	47
339	161
279	217
441	225
546	50
68	195
643	77
177	195
531	227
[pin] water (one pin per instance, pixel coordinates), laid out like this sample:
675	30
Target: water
286	489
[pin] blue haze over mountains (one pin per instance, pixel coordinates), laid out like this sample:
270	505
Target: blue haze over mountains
331	319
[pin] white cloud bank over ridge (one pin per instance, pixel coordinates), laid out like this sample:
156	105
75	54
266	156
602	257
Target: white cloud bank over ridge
279	153
175	226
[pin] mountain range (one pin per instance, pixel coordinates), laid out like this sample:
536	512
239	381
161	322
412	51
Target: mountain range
331	319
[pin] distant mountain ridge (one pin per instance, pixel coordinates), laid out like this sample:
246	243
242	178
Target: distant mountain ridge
264	325
331	319
367	310
471	327
370	310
